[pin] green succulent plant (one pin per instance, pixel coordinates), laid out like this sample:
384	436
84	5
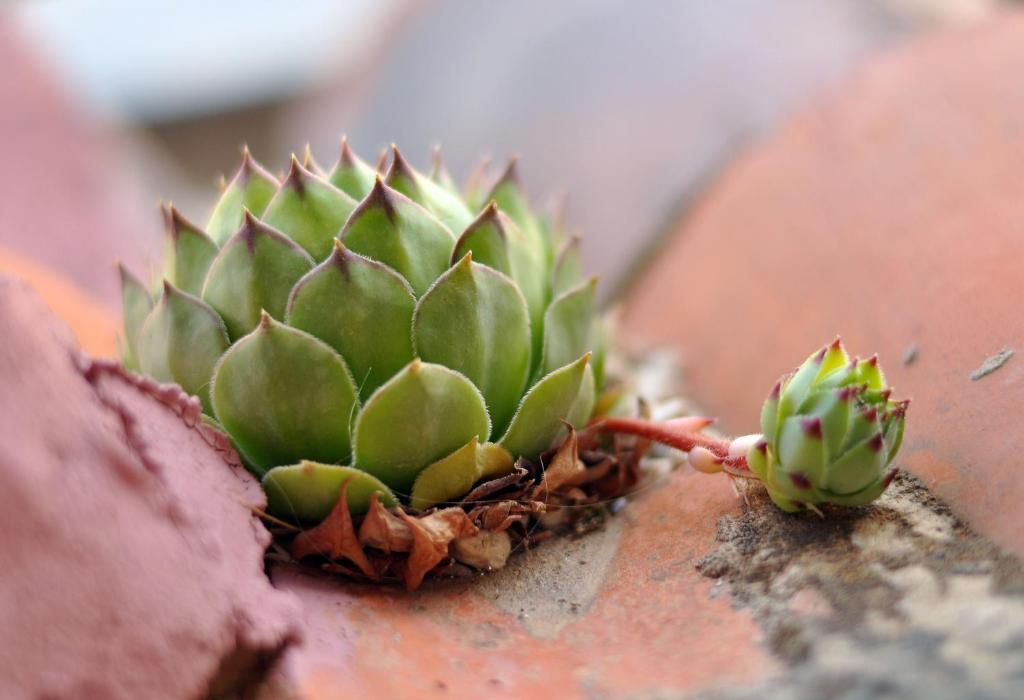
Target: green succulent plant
830	431
346	325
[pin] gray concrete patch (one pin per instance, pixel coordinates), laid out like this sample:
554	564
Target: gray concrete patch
553	585
899	599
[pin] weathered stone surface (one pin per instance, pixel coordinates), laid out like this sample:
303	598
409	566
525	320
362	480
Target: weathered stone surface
896	600
132	562
890	212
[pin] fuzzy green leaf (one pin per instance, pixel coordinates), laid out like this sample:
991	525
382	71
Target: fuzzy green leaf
568	268
863	497
136	304
493	460
870	372
361	308
254	271
802	448
864	422
511	199
309	210
283	396
757	459
440	176
487	238
251	190
567	326
539	419
448	478
794	390
497	242
188	253
307	492
422	414
474	320
583	406
391	228
894	426
446	206
181	341
599	342
351	174
833	407
858	468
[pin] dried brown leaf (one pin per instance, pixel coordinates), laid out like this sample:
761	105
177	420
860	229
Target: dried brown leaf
564	466
592	473
494	485
431	535
384	530
335	537
498	517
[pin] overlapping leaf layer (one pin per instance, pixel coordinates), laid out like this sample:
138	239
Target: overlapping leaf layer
375	329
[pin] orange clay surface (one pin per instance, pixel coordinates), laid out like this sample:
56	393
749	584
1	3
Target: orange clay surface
651	625
891	212
95	325
622	611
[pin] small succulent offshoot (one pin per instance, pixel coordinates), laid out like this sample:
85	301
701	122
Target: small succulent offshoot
829	433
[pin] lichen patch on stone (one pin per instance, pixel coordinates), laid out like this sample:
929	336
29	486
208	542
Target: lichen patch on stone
899	599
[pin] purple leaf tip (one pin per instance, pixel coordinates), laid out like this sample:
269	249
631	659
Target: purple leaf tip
812	427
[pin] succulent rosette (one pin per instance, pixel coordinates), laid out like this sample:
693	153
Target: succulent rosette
349	327
830	433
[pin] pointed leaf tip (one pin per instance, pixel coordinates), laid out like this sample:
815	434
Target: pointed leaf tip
877	442
309	209
392	229
284	396
395	441
537	421
510	174
256	269
380	195
180	341
399	165
296	175
812	427
371	328
475	320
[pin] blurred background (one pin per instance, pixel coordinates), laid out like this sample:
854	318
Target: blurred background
623	109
